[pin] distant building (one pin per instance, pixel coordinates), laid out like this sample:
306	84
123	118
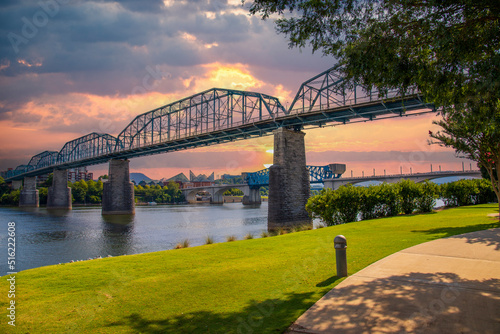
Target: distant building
177	178
77	174
197	184
201	177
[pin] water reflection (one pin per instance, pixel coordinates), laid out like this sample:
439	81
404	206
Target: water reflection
118	219
45	237
117	234
58	212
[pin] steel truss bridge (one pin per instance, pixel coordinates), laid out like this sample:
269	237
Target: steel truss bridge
217	116
316	173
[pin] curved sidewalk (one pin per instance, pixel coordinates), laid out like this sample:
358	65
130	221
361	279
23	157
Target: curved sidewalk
449	285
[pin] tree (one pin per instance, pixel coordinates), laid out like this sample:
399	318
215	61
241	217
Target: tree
4	188
476	134
447	49
48	183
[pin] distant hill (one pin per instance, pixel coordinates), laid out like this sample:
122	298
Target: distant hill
138	177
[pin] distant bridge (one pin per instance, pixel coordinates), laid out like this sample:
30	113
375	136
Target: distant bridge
417	177
253	182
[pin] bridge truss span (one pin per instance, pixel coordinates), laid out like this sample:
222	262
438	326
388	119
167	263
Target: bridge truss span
218	115
44	159
316	175
214	110
328	90
90	146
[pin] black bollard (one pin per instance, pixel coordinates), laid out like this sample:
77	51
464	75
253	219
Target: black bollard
340	255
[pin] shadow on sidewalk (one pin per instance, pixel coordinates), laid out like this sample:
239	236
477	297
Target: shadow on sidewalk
470	233
413	303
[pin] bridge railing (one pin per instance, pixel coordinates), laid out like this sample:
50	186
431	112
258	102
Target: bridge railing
369	177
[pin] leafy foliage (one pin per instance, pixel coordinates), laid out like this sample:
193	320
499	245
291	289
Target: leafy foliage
446	49
467	192
347	203
409	191
428	193
233	192
170	193
475	133
86	192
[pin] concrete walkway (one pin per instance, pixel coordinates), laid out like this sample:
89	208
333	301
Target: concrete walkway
449	285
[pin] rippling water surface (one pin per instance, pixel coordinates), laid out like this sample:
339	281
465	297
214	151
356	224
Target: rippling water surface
46	237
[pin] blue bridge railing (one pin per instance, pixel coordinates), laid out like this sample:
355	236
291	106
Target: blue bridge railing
317	175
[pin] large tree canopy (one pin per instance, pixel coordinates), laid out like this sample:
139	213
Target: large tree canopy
475	133
448	49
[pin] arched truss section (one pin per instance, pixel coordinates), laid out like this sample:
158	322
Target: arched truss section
209	111
21	169
326	91
44	159
86	147
320	173
316	173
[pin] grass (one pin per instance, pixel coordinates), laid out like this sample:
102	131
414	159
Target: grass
249	286
184	244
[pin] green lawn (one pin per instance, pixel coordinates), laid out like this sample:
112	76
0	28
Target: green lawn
248	286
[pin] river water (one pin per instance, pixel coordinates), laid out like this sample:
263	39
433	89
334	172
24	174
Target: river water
49	237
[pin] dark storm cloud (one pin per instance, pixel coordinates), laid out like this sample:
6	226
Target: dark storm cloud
143	5
106	47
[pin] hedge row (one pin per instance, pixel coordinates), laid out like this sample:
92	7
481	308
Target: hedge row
350	203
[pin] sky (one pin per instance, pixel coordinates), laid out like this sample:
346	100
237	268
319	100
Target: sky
72	67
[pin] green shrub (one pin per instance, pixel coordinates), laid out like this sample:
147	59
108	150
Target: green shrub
408	192
348	204
486	193
370	202
428	193
467	192
323	206
11	198
390	200
42	195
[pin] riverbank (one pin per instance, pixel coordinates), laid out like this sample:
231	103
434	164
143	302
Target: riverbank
251	286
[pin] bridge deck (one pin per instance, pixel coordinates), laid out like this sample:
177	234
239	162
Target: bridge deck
217	116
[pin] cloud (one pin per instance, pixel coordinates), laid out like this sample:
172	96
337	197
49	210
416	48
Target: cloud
68	68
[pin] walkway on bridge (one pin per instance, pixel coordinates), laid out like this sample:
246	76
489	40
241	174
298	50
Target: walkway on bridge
449	285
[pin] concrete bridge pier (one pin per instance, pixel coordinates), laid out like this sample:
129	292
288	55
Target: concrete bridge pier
251	196
217	197
289	185
118	191
29	193
59	194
